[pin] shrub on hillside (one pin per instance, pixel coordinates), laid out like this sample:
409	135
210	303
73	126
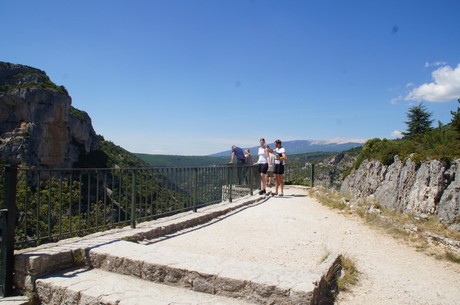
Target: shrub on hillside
441	143
455	123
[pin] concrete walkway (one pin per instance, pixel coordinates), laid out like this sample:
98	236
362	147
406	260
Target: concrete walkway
135	266
256	250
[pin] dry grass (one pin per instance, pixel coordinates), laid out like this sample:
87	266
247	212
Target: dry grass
413	230
450	256
350	274
330	199
325	256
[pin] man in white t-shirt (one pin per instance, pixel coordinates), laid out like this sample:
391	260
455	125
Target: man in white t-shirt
280	160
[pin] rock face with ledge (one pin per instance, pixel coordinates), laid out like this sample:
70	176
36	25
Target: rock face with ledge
430	187
38	126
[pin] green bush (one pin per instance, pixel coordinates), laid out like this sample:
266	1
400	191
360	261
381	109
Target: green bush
78	114
32	80
441	143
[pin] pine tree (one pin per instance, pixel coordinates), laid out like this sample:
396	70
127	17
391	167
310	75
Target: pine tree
419	120
455	123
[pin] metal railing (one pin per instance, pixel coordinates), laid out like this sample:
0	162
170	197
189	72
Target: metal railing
54	204
47	205
299	173
8	211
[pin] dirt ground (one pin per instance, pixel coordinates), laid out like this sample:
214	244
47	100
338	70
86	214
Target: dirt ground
297	231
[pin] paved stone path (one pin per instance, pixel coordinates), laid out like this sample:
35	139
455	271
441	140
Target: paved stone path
282	242
297	232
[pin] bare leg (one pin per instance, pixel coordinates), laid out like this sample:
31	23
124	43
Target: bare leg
276	183
281	183
263	181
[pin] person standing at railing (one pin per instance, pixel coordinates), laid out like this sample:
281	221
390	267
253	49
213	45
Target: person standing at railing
238	154
271	169
248	156
262	166
280	161
247	170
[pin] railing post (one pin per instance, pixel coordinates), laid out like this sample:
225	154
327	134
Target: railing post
133	200
312	175
195	188
250	171
230	183
8	227
50	177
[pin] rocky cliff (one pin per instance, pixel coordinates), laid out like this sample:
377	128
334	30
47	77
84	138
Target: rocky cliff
38	126
428	188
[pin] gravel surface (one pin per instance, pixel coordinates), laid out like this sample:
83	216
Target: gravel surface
297	231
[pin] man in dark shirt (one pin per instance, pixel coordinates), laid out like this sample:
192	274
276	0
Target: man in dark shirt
238	153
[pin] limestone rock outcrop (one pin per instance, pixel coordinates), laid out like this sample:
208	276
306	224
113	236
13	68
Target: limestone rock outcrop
429	187
38	126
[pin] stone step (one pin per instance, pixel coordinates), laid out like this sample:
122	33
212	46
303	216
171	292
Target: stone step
255	282
14	300
96	286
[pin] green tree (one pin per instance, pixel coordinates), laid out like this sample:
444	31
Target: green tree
455	123
419	120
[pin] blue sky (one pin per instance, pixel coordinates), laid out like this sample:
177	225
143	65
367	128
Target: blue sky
193	77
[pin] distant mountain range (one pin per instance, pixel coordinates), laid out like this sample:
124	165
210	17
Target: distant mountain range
304	146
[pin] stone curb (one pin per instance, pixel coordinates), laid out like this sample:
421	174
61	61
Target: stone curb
220	276
32	263
96	286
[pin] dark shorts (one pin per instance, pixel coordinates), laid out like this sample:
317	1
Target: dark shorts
279	169
263	168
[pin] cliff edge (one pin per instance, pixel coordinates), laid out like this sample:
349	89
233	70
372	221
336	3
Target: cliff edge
38	125
429	187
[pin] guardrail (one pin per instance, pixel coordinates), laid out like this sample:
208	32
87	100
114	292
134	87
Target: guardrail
47	205
53	204
299	173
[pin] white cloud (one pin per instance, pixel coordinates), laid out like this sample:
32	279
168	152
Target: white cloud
409	85
396	134
445	86
435	64
396	100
